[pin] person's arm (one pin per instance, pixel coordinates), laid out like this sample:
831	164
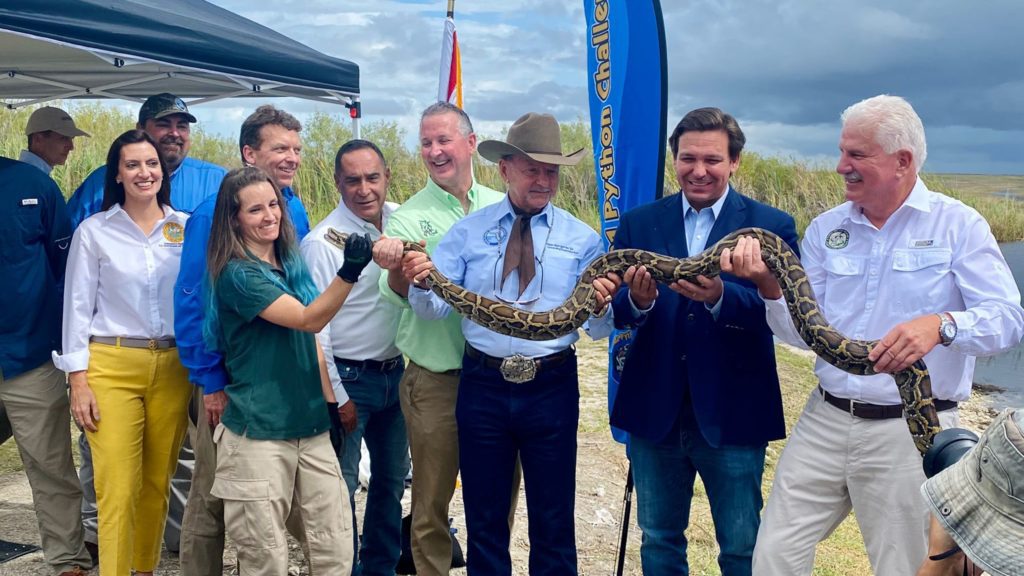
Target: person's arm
79	305
944	557
58	227
204	363
394	289
631	306
323	262
447	259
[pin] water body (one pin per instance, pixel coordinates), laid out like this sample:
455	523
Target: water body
1006	370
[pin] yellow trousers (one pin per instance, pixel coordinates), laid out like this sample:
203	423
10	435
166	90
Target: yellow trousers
143	403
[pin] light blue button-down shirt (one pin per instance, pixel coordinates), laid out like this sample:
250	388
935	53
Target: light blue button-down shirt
698	225
471	255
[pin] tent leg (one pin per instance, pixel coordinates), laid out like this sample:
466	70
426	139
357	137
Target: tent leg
627	502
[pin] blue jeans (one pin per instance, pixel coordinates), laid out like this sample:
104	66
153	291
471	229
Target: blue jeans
537	420
381	425
664	473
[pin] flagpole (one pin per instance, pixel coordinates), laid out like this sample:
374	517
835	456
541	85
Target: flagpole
451	8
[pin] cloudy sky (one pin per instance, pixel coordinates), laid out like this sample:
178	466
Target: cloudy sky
784	68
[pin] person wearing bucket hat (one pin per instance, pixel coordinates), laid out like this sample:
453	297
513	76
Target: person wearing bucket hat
978	505
516	395
167	119
51	133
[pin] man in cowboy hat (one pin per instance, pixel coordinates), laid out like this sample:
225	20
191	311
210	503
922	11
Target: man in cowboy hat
51	133
978	506
515	395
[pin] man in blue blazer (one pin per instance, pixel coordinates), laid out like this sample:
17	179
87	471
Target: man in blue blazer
699	392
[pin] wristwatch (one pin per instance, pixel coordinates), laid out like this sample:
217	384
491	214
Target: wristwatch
947	328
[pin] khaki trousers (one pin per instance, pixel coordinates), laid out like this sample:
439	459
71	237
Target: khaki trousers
264	482
835	462
202	526
143	397
37	413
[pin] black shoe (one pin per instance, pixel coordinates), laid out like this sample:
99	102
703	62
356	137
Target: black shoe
94	552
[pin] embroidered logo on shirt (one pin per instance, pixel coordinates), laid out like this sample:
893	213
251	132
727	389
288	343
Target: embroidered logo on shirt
174	233
30	201
427	228
495	235
921	243
837	239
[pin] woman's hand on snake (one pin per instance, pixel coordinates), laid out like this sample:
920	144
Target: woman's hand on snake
905	344
643	288
84	409
387	253
745	262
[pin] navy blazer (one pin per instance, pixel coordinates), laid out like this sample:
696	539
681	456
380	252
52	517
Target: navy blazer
729	362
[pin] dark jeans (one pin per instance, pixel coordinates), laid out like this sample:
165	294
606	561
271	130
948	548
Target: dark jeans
664	473
382	427
537	420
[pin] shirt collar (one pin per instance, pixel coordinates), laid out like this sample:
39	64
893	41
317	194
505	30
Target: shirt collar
918	199
117	209
442	195
344	214
508	211
31	158
716	208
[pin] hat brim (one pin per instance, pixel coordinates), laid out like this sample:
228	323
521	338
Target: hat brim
73	132
191	118
989	537
495	150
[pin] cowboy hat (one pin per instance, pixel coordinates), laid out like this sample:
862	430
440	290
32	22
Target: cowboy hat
534	135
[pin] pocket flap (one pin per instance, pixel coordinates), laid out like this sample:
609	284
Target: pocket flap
910	260
241	490
844	265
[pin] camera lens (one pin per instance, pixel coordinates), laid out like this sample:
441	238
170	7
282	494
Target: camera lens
949	447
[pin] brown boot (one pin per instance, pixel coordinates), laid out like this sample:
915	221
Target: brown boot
75	571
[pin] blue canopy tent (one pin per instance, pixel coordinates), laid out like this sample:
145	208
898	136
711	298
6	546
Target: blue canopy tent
131	49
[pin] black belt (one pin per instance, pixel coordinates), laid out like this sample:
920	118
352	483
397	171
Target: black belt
876	411
519	368
374	365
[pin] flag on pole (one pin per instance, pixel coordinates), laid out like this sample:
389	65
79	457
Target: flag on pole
626	66
449	87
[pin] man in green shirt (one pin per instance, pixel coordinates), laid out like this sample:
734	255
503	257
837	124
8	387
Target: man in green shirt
434	347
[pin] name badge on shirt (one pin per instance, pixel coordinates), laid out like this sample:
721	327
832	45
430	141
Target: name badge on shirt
174	234
30	201
922	243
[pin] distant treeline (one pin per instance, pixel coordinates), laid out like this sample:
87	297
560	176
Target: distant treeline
800	189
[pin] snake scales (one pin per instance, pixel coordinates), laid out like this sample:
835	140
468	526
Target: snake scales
849	355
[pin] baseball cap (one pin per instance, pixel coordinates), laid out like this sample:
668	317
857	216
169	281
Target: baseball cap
54	120
161	105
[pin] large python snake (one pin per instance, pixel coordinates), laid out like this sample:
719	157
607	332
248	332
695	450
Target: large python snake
849	355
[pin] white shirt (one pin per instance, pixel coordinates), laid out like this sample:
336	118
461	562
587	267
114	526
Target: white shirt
366	326
934	254
119	282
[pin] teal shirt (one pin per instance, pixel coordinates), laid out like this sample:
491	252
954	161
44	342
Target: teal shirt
274	389
433	344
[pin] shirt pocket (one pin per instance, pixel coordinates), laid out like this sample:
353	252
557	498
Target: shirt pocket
844	283
19	232
926	275
560	275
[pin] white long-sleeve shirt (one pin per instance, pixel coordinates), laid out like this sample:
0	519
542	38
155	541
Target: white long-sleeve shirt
366	326
934	254
119	282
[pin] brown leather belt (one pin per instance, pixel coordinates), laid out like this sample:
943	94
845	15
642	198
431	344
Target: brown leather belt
373	365
876	411
518	368
160	344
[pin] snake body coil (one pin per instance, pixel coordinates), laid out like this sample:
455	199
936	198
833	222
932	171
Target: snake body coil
849	355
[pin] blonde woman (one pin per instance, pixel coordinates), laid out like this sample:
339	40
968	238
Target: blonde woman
129	391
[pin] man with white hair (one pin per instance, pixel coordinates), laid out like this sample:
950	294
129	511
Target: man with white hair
920	272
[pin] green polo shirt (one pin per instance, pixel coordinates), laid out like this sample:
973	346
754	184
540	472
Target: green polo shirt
274	386
433	344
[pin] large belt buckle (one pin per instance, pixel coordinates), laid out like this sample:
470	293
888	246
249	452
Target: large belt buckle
518	369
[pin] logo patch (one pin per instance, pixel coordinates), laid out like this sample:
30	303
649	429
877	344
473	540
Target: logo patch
30	201
427	228
174	232
921	243
495	236
837	239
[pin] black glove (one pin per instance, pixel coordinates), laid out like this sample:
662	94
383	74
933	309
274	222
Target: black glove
337	433
358	253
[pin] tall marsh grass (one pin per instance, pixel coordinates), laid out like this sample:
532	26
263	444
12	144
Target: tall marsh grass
800	189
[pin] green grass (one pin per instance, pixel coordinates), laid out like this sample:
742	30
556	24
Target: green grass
802	190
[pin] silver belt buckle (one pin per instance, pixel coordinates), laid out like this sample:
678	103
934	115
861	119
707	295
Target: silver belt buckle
518	369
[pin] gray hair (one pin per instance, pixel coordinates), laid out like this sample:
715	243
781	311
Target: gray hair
897	125
441	107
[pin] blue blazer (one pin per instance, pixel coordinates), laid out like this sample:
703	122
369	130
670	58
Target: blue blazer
729	363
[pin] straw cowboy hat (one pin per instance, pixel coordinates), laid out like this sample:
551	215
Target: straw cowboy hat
534	135
980	499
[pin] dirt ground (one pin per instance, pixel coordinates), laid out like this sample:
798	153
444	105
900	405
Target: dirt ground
601	473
